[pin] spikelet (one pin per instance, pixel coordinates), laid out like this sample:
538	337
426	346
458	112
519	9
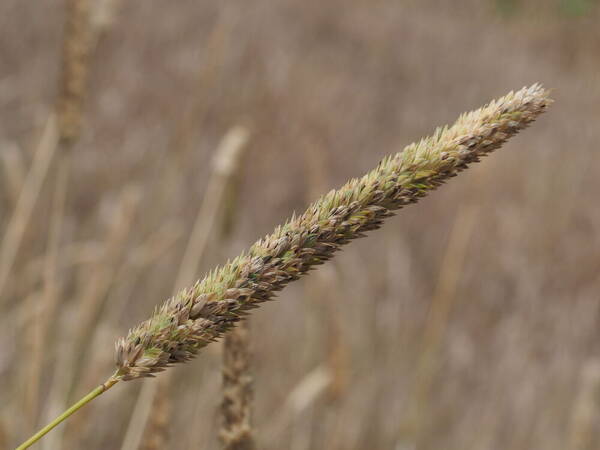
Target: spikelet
202	313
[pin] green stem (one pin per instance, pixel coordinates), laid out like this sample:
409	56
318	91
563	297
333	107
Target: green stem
85	400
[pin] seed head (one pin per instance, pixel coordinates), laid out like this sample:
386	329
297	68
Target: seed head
202	313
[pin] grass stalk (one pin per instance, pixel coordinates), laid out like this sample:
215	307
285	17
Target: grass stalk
13	170
91	296
140	416
321	289
225	165
15	230
74	72
442	303
95	288
236	405
102	17
203	313
70	411
582	432
45	314
156	433
302	396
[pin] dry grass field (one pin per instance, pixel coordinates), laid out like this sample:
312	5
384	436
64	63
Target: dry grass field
186	130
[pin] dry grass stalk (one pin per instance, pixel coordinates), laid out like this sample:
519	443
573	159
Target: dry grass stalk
229	351
195	113
337	360
102	17
157	430
85	21
95	288
140	416
304	394
72	88
202	313
92	294
3	436
76	54
583	429
139	259
45	314
236	407
321	290
17	225
437	320
14	171
225	166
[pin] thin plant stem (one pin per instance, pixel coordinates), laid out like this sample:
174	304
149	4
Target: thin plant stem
16	227
84	401
236	404
50	299
226	164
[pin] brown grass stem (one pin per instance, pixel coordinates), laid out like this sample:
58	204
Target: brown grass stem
91	296
585	412
225	165
77	42
13	170
321	288
440	309
45	314
156	433
236	405
15	230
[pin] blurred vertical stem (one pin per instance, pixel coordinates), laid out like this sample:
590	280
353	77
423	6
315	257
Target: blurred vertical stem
46	310
74	75
225	165
585	413
436	324
236	406
85	22
321	287
62	128
28	196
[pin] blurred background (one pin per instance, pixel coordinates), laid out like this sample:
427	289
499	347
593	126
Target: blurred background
144	142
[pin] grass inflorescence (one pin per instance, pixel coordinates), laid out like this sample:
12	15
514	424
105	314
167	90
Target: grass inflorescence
202	313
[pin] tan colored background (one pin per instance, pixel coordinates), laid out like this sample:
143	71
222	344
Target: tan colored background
469	322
